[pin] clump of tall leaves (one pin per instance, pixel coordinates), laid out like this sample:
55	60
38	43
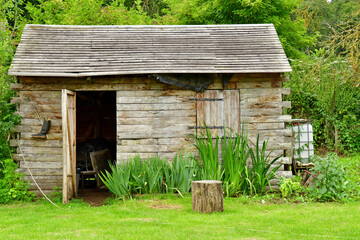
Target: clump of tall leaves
12	186
234	156
244	168
153	175
263	169
330	181
208	150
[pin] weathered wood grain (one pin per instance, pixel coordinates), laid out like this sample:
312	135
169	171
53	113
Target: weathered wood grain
36	143
42	171
43	157
207	196
73	51
40	164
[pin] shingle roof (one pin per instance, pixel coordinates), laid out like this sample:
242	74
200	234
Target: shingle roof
53	50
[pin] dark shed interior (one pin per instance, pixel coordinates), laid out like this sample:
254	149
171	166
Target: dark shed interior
95	134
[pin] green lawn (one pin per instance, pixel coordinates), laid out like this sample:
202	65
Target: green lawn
169	217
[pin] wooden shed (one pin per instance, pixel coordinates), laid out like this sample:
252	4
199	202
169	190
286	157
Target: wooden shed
143	90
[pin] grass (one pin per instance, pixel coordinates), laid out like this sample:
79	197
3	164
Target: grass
171	217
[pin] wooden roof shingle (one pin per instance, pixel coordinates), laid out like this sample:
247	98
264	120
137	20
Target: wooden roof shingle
54	50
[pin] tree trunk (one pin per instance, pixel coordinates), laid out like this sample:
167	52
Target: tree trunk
207	196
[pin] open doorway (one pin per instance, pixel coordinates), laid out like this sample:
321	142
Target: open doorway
95	137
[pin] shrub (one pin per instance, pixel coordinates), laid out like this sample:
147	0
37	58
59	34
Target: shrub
12	187
330	182
290	187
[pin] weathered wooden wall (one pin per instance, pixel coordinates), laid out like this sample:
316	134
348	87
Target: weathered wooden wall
152	117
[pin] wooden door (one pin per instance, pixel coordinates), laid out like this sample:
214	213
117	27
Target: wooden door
218	108
69	144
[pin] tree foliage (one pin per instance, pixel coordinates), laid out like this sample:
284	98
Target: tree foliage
291	31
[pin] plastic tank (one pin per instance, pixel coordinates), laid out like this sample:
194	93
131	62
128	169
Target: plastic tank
304	139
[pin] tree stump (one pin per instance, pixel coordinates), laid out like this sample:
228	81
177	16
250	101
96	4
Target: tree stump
207	196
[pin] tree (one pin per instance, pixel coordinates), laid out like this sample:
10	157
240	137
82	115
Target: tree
291	31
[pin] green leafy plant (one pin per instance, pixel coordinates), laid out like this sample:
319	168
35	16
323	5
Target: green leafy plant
262	170
290	186
235	152
237	174
12	186
179	174
118	180
208	155
330	182
150	176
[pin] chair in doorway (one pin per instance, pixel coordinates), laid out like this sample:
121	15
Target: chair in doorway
87	173
100	162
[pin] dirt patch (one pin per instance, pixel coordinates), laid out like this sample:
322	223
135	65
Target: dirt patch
145	219
95	197
165	206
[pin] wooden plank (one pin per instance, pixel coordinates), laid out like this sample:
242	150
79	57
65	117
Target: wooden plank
247	93
163	121
96	80
39	122
69	144
258	84
273	132
265	105
40	164
156	107
272	139
152	128
176	141
153	148
41	150
38	157
152	100
40	94
41	179
49	136
36	129
156	93
251	77
159	114
211	111
154	134
278	146
32	114
40	100
267	119
91	87
264	126
41	109
261	112
232	109
200	108
36	143
129	142
45	185
42	171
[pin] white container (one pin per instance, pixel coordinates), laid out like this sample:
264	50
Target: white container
304	139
